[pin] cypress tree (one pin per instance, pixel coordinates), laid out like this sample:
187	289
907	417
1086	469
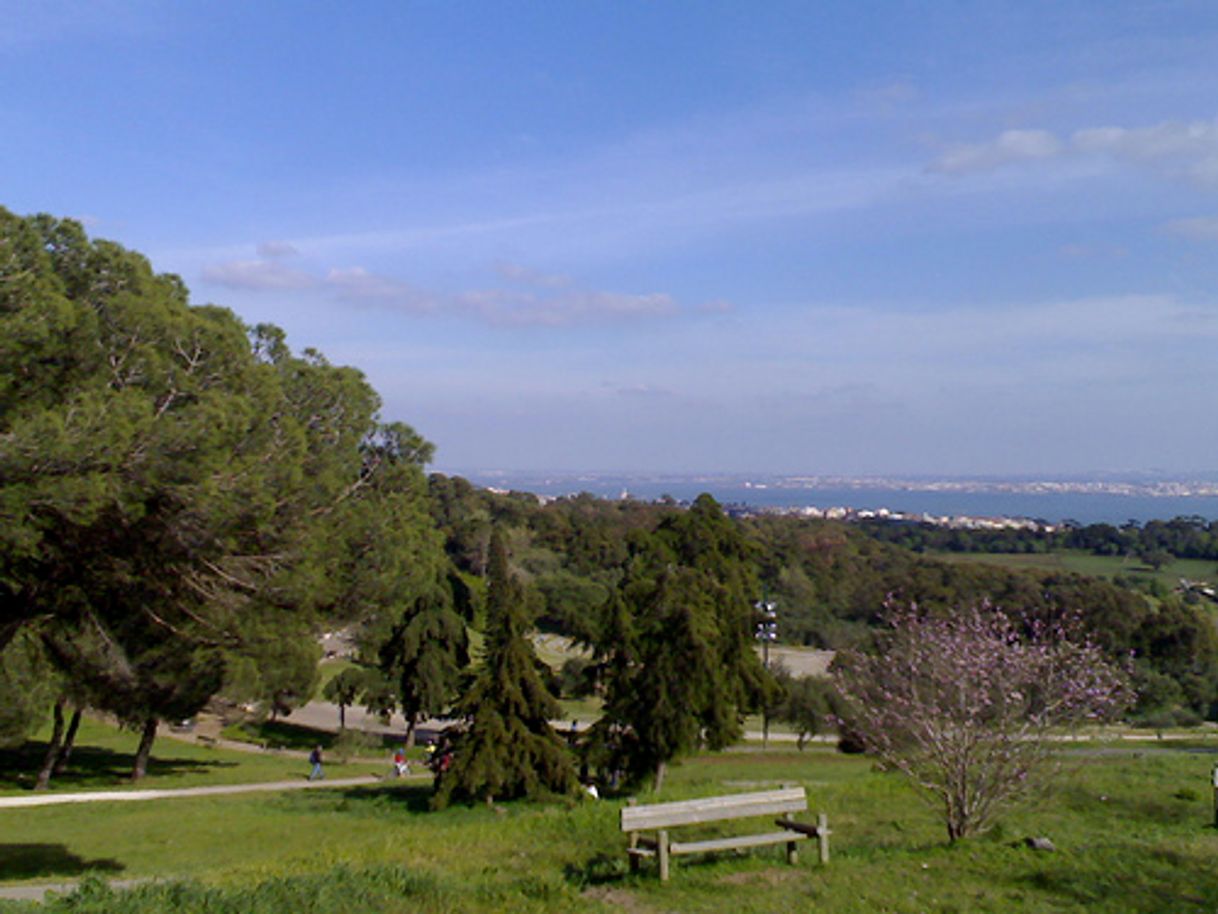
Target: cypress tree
679	657
507	748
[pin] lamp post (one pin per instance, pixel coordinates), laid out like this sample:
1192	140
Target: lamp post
766	632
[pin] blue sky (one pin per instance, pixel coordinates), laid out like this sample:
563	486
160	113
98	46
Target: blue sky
890	238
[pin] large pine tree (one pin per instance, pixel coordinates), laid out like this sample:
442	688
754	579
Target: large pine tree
507	748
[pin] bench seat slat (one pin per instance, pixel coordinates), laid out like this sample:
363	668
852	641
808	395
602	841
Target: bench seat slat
713	809
724	844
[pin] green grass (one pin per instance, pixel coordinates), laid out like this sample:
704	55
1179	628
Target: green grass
1102	566
1132	824
584	710
328	669
103	756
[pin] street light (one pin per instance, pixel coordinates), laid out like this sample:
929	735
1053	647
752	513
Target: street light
766	631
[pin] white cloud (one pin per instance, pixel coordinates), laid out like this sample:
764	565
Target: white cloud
257	275
1190	149
1008	147
1181	149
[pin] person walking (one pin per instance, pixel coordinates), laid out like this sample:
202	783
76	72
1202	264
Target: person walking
315	760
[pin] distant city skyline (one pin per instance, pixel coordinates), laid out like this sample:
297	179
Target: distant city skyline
859	239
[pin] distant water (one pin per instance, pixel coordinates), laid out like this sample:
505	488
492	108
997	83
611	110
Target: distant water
1086	508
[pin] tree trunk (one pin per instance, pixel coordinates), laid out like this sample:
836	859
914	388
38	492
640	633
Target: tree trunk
48	761
661	768
7	632
412	723
145	750
342	717
69	742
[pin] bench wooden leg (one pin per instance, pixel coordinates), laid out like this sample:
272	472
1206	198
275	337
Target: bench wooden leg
822	836
662	853
634	858
792	853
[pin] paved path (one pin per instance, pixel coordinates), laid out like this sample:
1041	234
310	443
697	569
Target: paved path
39	892
101	796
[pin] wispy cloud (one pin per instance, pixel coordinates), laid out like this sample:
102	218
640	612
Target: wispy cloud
1189	149
1182	149
638	391
524	296
1200	228
1008	147
272	250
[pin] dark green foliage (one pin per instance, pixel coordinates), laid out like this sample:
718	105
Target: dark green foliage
831	579
807	704
426	653
507	747
345	690
182	499
678	654
28	687
1156	542
578	678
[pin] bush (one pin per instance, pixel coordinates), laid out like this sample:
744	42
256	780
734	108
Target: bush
351	743
340	891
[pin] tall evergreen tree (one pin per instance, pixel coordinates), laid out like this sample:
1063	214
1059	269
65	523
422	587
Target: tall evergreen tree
426	654
678	652
507	748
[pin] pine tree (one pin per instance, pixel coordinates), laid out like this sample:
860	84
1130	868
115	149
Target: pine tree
507	748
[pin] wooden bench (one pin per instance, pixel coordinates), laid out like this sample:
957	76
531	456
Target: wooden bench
660	817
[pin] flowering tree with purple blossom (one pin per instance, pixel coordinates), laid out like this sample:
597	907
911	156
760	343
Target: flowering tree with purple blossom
966	704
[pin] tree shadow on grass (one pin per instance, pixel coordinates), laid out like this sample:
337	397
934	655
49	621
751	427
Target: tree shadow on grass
32	861
390	797
1154	882
287	734
600	869
93	767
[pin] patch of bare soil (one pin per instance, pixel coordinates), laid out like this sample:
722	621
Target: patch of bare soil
617	898
773	876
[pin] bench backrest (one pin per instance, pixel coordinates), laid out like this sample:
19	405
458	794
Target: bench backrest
714	809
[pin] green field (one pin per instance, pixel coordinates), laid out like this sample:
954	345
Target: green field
103	755
1100	566
1132	825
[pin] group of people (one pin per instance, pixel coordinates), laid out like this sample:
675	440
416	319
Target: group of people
437	759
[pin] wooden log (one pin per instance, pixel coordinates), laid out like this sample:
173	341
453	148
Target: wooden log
662	849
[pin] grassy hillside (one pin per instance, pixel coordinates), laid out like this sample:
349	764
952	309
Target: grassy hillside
1100	566
1130	824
